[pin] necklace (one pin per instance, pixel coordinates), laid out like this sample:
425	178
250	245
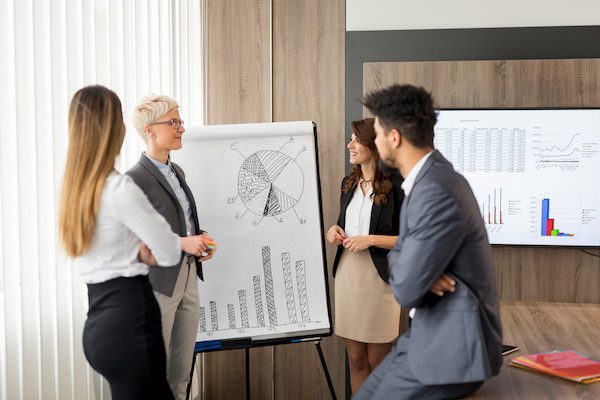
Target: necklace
366	182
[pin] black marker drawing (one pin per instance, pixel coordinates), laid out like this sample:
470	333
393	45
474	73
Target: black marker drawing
269	183
289	290
260	316
213	316
269	290
202	323
301	281
231	315
243	308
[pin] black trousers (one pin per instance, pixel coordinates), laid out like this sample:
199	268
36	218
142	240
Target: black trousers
122	339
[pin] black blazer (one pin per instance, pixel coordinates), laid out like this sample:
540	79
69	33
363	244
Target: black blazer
161	195
385	220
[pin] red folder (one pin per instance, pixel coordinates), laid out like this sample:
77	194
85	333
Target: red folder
565	364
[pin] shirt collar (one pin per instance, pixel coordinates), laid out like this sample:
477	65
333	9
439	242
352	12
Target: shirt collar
409	181
163	168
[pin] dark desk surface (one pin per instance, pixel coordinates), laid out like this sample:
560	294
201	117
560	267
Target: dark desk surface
538	327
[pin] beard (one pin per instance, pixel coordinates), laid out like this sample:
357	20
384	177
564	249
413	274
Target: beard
386	163
386	168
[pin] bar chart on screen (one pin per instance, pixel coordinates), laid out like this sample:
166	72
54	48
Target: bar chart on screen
493	206
558	215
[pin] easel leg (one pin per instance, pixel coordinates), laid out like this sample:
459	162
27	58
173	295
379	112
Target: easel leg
318	344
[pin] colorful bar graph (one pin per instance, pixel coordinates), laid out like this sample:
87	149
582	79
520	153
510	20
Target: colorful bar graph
491	211
548	226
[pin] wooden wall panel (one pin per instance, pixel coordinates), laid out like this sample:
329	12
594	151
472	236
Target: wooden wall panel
238	61
238	90
527	274
308	84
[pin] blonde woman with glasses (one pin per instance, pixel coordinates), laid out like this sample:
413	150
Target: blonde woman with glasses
112	232
156	119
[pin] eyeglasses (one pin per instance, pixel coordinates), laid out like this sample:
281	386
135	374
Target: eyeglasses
175	122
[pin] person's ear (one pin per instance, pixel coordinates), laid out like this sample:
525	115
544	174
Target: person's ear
396	138
149	132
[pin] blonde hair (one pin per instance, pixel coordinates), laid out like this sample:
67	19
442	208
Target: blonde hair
96	133
149	110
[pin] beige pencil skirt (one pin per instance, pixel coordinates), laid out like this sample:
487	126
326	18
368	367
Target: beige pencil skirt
365	307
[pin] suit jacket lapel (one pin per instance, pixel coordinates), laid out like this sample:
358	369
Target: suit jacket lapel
436	156
190	196
158	175
375	214
403	216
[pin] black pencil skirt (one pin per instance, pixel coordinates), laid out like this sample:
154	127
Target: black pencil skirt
122	339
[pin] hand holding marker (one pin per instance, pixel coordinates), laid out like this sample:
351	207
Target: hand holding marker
211	244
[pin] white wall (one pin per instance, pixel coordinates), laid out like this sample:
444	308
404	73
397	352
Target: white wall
381	15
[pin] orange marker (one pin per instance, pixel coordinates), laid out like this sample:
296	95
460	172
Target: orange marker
211	244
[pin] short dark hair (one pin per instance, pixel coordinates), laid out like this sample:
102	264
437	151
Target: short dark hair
406	108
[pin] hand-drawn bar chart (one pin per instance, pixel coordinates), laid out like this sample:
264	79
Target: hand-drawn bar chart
559	215
295	298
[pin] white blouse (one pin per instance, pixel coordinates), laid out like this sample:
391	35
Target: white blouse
358	213
125	219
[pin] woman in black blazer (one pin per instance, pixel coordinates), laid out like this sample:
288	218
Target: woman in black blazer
367	315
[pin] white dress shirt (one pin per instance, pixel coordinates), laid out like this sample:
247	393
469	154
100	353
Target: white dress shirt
358	213
409	181
125	219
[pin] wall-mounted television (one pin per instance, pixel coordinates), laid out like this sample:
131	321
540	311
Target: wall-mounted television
535	172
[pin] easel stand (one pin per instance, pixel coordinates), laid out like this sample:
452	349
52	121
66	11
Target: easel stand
317	344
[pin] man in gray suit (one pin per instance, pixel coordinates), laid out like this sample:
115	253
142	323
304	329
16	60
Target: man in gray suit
455	340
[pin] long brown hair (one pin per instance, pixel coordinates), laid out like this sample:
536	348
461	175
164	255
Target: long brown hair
96	133
365	134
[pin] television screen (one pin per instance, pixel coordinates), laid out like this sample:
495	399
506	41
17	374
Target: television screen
535	172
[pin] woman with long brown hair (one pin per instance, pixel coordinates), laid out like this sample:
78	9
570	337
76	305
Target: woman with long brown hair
367	315
113	233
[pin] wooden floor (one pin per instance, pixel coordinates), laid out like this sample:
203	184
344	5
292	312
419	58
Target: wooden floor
537	327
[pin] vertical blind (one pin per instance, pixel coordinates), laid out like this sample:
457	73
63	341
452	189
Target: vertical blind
49	49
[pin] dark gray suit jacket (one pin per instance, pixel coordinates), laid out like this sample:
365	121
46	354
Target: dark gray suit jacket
161	195
456	338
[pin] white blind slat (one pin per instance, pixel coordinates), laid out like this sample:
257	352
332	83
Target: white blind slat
26	190
102	53
46	286
7	113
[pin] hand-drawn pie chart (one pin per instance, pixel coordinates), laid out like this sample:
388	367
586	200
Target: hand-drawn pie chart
270	183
